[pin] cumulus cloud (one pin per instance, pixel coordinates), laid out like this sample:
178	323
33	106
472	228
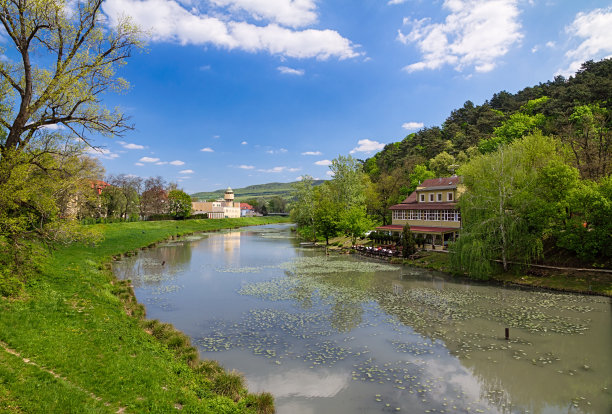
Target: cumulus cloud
474	34
129	145
312	153
324	163
207	149
391	2
186	172
161	163
330	173
244	143
412	126
293	13
366	145
176	162
148	159
169	21
592	30
290	71
139	164
246	167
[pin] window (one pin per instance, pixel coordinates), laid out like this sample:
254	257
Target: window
439	196
450	196
422	197
431	197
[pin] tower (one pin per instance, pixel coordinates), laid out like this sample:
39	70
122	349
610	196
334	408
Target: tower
229	197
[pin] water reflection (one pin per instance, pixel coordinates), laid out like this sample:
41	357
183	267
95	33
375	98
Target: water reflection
336	334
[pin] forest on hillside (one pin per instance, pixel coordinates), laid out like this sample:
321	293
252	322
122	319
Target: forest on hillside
577	110
536	165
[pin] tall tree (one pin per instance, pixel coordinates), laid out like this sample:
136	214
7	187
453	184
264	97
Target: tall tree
501	190
179	204
80	59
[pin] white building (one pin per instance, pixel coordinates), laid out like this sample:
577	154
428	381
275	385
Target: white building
221	208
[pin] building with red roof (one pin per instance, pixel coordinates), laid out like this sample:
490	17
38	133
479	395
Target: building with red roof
431	211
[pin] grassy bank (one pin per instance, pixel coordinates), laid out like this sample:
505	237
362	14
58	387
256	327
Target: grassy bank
69	344
569	281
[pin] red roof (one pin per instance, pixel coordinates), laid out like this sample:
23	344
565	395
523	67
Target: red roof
418	229
443	181
246	206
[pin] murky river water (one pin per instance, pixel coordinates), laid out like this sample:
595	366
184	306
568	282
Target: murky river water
339	334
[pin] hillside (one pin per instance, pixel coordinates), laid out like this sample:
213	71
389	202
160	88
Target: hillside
268	190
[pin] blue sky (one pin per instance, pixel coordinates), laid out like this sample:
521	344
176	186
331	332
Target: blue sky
241	92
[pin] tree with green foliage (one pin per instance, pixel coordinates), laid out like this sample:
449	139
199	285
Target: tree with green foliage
443	164
58	62
408	242
179	204
349	182
327	212
303	208
501	189
587	231
419	174
355	222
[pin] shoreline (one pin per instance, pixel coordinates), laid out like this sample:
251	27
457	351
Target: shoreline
77	320
563	282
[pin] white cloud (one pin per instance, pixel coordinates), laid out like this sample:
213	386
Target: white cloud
312	153
324	163
186	172
290	71
205	67
593	30
293	13
130	145
550	44
366	145
279	170
412	126
53	127
102	153
207	149
330	173
161	163
139	164
278	151
390	2
244	143
246	167
148	159
168	21
176	162
475	33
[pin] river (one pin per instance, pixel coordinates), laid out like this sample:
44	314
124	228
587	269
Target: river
343	334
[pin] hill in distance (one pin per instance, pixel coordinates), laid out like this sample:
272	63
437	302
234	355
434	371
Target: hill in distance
269	190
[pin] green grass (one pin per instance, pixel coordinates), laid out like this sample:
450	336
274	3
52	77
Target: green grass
74	320
283	190
581	282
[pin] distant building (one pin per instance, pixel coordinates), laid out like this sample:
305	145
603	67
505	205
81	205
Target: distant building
431	211
221	208
246	210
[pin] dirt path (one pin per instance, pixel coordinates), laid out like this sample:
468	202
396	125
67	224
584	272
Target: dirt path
56	375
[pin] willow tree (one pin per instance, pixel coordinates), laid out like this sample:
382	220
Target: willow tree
496	209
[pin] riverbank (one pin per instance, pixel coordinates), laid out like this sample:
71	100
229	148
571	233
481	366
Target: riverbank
77	341
574	281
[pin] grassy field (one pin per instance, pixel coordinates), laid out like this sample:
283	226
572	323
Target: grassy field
283	190
76	340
